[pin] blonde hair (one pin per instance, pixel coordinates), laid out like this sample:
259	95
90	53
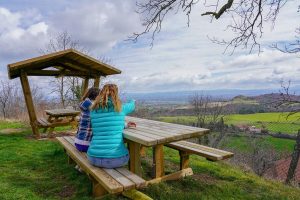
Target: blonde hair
108	90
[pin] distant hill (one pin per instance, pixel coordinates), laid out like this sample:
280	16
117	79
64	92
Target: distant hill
184	96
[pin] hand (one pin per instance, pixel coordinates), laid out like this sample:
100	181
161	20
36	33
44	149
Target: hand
131	125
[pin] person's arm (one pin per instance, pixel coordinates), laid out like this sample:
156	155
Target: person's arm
128	107
85	105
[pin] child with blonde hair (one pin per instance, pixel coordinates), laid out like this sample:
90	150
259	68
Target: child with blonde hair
107	148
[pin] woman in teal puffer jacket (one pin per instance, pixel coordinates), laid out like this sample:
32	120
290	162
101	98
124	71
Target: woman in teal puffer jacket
107	148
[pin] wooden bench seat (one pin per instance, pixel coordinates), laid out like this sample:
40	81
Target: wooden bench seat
186	148
42	122
104	180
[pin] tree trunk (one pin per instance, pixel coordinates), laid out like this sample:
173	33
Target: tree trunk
294	161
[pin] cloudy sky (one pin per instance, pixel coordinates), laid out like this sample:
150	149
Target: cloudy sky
182	57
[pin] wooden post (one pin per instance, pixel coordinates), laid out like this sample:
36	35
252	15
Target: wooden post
135	158
158	161
143	151
97	82
98	190
184	160
85	85
29	104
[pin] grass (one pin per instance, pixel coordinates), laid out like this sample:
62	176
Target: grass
11	124
274	122
32	169
240	143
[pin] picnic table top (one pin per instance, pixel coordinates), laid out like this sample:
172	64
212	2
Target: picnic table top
62	112
151	133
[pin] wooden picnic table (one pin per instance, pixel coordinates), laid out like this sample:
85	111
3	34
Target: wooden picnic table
155	134
58	117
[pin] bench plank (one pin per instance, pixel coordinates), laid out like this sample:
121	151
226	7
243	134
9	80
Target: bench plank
42	122
133	177
111	185
207	152
125	178
127	184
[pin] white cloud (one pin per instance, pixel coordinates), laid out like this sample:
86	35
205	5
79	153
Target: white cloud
182	58
99	25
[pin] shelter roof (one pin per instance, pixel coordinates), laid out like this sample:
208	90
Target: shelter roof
63	63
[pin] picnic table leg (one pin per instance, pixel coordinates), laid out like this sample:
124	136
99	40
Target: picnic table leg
184	160
135	158
49	120
158	161
51	129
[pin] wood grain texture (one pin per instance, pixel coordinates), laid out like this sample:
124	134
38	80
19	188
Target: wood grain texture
174	176
184	160
111	185
85	86
158	161
201	150
135	158
150	132
97	82
62	112
117	177
29	104
67	59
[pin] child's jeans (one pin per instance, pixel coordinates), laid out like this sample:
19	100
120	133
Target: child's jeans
109	162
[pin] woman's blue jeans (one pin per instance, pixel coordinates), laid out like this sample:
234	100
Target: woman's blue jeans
109	162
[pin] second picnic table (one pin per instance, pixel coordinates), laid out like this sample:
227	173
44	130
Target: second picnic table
156	134
58	117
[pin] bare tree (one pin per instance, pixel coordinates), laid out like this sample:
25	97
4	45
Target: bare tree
210	114
247	17
287	99
262	155
6	97
65	87
200	105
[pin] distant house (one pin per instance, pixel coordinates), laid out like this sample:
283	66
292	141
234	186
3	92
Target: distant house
280	170
242	127
253	129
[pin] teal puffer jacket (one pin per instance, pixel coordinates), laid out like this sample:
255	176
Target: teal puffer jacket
107	128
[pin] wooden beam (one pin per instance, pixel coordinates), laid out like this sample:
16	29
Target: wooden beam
158	161
29	104
97	82
64	61
85	86
173	176
58	73
135	158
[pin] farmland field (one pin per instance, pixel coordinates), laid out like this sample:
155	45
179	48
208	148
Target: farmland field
274	122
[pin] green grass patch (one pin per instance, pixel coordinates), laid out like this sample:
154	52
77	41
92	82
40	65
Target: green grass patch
241	144
12	124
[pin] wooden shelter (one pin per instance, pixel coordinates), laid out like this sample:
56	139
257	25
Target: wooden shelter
63	63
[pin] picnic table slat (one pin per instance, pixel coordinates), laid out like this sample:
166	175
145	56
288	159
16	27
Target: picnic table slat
147	141
62	112
164	124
